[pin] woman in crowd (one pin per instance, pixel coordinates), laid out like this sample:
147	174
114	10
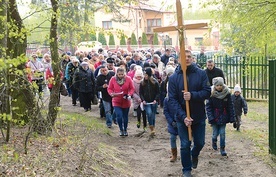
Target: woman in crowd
121	88
149	93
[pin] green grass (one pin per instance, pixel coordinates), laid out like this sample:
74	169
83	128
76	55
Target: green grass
257	131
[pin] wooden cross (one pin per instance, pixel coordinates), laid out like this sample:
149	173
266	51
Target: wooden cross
180	28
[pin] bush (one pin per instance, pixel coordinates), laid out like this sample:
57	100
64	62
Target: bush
123	40
111	39
155	39
133	39
144	39
101	38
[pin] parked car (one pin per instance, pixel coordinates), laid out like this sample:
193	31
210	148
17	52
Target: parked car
89	45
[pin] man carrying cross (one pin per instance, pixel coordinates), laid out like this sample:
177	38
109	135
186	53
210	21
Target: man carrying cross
199	90
187	98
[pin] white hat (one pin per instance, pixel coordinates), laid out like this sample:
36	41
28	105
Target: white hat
84	63
237	88
169	69
138	73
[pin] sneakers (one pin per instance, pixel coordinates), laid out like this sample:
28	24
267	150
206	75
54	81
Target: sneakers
125	133
222	151
194	162
187	174
145	129
138	124
121	133
214	144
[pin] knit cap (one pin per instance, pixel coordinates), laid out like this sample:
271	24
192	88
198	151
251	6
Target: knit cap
148	71
237	88
218	81
169	69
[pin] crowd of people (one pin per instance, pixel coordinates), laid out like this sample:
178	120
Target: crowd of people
145	80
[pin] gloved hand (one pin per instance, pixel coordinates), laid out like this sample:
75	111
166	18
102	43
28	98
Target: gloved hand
174	125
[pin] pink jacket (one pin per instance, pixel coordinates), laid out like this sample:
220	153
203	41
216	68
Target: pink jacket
127	88
131	74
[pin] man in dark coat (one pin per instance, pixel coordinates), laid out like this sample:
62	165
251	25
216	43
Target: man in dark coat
213	71
198	90
102	82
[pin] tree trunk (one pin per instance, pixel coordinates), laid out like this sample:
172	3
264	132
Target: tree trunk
54	97
16	47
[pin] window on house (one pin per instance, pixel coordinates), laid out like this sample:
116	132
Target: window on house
154	22
107	25
199	40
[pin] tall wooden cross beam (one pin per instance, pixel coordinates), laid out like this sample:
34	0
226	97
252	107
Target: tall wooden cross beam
180	28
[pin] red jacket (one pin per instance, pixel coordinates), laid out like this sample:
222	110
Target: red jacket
127	88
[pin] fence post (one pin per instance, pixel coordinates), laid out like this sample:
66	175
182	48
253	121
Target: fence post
244	76
272	104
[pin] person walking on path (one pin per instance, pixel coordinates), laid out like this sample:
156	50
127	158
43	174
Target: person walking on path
239	105
220	111
212	71
102	82
149	93
85	84
172	128
198	90
121	89
138	78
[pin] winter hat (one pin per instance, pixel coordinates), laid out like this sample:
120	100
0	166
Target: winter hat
132	66
218	81
148	71
146	64
169	69
237	88
84	63
138	73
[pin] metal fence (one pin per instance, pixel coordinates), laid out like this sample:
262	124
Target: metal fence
251	73
272	110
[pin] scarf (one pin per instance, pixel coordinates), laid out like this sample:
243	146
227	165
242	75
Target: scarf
137	81
120	81
220	95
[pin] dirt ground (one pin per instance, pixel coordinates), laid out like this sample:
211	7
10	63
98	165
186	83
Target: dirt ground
148	157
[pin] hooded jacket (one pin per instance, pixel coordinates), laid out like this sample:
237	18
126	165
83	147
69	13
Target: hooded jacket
198	86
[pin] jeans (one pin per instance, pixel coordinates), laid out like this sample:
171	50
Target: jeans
198	132
122	117
151	111
108	112
219	130
173	140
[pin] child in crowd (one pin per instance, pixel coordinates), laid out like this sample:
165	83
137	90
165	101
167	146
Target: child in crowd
239	104
220	111
172	128
138	78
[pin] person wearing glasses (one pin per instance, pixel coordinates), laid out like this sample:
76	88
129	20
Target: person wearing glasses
198	90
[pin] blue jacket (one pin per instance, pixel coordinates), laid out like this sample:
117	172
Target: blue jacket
198	86
170	117
239	104
220	111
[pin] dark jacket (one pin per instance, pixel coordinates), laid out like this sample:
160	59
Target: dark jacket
170	116
132	61
69	73
220	111
239	104
84	80
165	59
198	86
149	91
100	81
215	72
